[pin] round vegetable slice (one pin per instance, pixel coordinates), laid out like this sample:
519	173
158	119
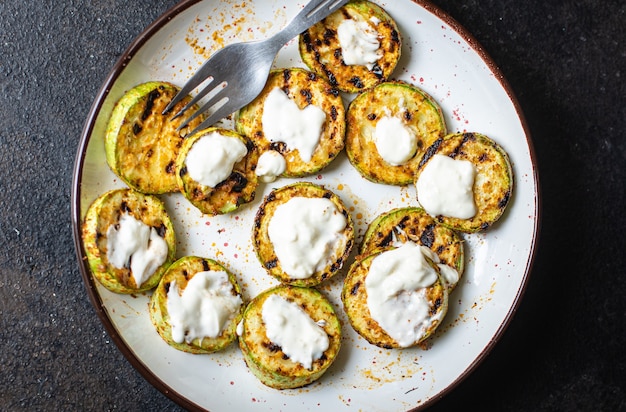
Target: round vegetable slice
146	222
375	120
310	93
321	49
336	245
266	359
180	273
414	224
493	181
141	143
235	190
354	296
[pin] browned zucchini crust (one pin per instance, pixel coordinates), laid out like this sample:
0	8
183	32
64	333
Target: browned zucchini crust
266	360
141	143
414	224
238	189
263	245
304	88
419	112
182	271
104	212
354	298
493	184
320	49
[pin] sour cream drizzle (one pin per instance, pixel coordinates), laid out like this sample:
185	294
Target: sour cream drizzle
301	338
283	121
135	245
305	233
205	307
396	293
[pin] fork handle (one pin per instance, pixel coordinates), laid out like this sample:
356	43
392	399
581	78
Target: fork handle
313	12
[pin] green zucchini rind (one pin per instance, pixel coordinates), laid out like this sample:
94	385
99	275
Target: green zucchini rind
104	213
304	88
266	360
493	183
415	225
265	250
354	298
227	196
181	272
320	48
419	113
141	143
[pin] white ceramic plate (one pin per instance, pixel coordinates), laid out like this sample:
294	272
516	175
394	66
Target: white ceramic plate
438	56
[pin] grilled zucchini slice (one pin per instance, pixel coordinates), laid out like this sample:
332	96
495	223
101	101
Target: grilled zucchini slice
313	229
377	117
321	50
309	92
493	182
413	224
266	359
141	144
226	195
354	296
123	210
220	306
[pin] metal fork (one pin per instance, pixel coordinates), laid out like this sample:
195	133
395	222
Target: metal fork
239	71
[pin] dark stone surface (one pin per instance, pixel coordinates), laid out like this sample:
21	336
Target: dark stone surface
564	349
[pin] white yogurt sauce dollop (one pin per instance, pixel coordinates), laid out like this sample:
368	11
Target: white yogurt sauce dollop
395	142
448	273
212	157
445	187
283	121
359	43
396	292
305	233
205	307
300	338
135	245
271	164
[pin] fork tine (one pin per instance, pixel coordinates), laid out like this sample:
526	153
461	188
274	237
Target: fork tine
202	74
314	5
187	88
211	102
220	113
209	87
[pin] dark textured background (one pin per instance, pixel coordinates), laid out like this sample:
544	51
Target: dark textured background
565	348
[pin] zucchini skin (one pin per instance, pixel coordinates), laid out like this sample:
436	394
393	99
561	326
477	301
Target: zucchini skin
320	49
266	360
141	144
263	245
414	224
237	190
354	298
304	88
493	184
420	113
182	271
104	212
